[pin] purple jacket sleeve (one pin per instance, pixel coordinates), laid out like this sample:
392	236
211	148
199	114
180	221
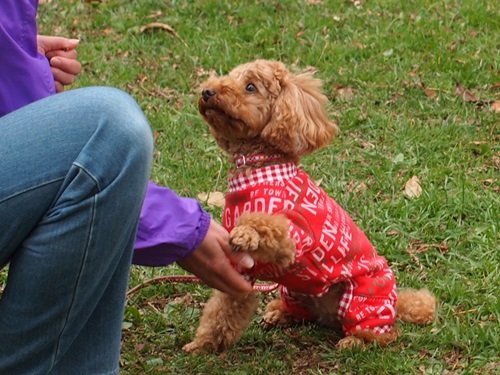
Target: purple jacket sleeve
25	74
170	227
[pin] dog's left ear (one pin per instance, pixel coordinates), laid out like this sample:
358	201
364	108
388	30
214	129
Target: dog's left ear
299	123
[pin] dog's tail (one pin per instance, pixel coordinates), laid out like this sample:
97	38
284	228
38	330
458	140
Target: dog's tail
416	306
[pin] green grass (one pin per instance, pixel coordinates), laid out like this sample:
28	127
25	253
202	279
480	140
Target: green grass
387	52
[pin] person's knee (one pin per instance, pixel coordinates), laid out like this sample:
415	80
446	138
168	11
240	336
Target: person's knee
125	139
127	120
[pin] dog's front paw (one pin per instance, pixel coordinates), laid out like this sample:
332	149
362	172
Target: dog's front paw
275	319
198	347
349	342
244	238
275	316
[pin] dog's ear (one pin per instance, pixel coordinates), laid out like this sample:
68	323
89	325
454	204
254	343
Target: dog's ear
299	123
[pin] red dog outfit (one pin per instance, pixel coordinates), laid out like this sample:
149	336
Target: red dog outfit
330	248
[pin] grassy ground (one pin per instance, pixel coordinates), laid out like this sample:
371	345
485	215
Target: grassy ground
413	86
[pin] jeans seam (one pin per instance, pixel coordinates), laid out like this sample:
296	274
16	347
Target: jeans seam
31	188
82	266
75	163
88	173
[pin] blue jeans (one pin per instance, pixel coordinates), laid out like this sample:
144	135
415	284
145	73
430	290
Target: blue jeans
73	174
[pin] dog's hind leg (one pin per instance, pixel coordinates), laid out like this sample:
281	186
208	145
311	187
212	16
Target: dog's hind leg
222	323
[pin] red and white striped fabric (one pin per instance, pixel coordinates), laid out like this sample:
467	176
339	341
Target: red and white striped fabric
270	174
330	248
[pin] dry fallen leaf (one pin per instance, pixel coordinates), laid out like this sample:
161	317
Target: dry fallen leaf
496	161
186	299
155	14
357	3
495	106
358	45
107	31
139	347
413	188
430	93
467	95
299	34
417	247
344	92
394	98
310	70
161	26
213	199
156	135
367	145
357	188
488	182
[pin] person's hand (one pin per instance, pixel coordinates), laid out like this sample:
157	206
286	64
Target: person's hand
211	264
62	56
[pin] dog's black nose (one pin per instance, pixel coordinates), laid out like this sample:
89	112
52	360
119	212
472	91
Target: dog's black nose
207	94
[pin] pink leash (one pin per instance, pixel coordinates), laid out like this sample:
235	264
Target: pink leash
191	279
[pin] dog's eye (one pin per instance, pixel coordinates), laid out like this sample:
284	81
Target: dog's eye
251	87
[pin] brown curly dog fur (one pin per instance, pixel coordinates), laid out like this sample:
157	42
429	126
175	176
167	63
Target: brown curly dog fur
263	108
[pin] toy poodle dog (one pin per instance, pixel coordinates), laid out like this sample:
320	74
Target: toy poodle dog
266	118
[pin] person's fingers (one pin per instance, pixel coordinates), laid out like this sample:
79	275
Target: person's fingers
66	65
242	260
59	86
227	279
63	77
69	54
51	43
219	232
211	263
239	259
64	71
221	277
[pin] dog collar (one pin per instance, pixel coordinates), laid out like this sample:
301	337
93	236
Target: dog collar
249	160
